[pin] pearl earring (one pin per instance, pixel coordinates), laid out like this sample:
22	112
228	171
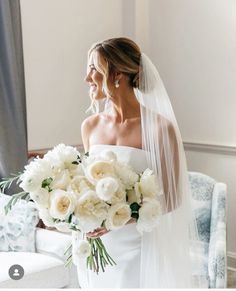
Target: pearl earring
117	85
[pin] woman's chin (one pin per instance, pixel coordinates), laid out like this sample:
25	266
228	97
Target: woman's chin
97	97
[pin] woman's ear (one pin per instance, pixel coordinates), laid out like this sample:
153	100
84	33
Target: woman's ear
118	76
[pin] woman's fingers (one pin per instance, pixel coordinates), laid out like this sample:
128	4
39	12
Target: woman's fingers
98	232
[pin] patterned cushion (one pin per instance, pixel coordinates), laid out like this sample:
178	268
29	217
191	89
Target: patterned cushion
217	247
17	228
209	201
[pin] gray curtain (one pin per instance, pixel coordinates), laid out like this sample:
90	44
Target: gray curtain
13	126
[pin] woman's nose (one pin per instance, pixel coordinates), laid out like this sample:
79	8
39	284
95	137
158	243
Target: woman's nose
87	78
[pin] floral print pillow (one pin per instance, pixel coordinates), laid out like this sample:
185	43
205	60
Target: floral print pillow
17	228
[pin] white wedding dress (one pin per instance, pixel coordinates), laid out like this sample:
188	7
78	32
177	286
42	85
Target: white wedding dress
124	245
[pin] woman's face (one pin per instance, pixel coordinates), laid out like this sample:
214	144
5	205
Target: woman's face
95	80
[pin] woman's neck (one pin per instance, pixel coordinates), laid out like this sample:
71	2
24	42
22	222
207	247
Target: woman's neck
125	105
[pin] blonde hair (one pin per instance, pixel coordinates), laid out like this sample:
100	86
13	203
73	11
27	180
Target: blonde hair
116	54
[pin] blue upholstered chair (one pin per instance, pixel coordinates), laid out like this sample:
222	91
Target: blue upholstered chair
209	200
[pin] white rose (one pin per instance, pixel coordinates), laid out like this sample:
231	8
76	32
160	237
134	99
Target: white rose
90	211
79	184
149	214
41	197
137	191
148	184
62	204
34	174
80	250
61	180
106	188
108	155
118	215
99	170
133	196
126	174
119	196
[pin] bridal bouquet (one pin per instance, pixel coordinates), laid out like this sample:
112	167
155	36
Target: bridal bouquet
81	192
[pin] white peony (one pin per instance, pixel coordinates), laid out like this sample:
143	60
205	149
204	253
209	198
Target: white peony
80	250
90	211
41	197
62	156
79	185
34	174
61	180
106	188
118	215
148	184
76	170
99	170
126	174
62	204
149	214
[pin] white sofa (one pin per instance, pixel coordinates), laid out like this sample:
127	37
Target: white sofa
44	268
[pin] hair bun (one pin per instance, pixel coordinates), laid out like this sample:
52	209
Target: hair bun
135	80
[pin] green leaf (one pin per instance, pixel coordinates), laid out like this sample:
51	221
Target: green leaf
14	199
46	182
7	182
135	215
135	210
135	206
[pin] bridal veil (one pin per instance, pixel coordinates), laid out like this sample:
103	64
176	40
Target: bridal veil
166	260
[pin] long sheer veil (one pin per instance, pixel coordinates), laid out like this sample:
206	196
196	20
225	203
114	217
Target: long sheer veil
165	252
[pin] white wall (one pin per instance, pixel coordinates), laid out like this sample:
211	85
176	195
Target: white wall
193	44
56	37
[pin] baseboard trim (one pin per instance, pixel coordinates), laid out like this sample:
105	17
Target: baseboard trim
211	148
231	260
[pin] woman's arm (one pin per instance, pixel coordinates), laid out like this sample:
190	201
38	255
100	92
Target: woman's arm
85	133
170	166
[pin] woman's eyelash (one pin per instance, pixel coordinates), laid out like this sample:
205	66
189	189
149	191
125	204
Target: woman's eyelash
92	67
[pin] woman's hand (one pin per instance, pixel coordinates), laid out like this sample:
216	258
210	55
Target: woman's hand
97	232
102	230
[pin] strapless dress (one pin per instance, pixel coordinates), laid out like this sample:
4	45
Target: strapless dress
124	245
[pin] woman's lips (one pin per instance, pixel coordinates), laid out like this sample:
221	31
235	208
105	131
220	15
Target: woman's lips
93	87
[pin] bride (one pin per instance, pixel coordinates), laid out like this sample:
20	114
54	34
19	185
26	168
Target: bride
139	125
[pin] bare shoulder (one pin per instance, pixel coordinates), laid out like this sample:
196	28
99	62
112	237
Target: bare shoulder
87	127
162	121
168	125
90	122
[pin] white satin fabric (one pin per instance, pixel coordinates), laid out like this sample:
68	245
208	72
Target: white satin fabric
124	245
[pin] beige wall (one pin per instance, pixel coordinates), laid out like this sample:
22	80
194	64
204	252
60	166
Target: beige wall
193	44
56	36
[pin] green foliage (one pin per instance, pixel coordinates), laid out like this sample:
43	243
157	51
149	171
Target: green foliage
7	182
99	256
46	184
14	199
135	210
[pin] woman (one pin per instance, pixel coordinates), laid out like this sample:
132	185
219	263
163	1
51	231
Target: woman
139	125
